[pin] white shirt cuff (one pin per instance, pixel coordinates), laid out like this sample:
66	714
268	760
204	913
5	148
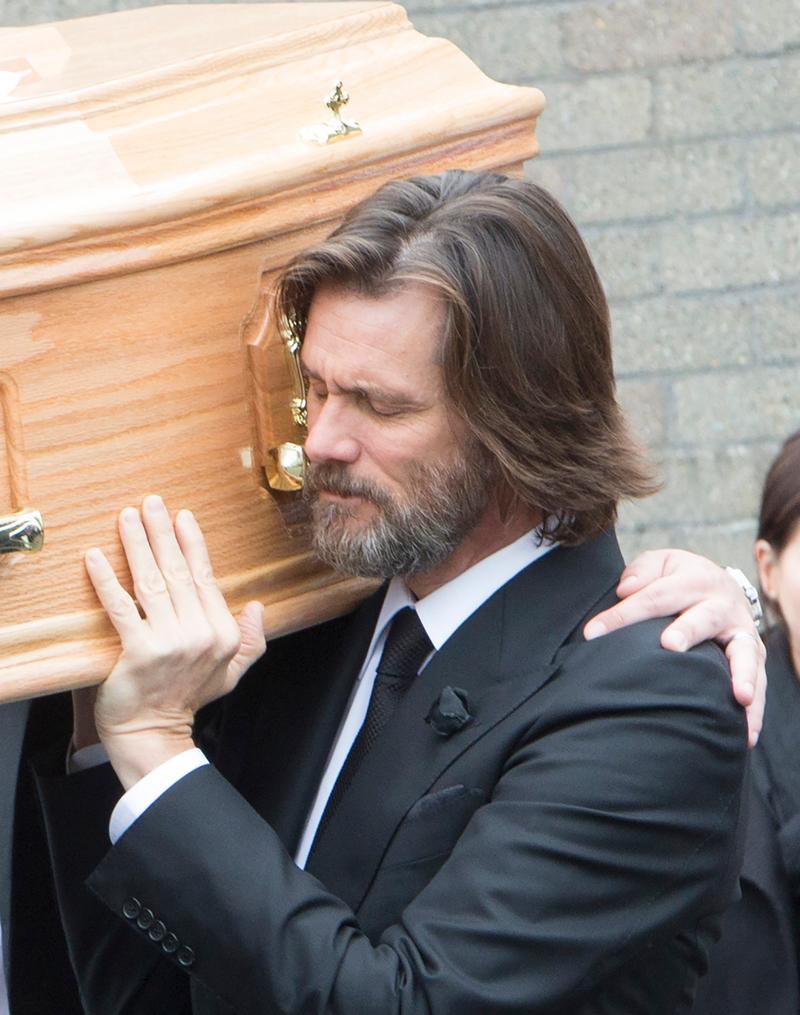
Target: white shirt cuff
149	788
86	757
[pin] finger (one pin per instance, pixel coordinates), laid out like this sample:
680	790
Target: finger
744	661
645	568
661	598
119	606
148	582
170	561
707	621
755	711
193	546
746	657
252	645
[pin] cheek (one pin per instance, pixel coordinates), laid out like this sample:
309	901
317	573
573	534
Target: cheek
788	588
390	462
392	450
789	602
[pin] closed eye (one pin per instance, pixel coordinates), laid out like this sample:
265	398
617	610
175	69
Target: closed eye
377	409
375	401
316	392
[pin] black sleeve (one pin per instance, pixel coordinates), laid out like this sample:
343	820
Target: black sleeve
611	828
116	971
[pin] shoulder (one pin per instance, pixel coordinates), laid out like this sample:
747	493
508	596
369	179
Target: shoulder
643	731
637	647
630	667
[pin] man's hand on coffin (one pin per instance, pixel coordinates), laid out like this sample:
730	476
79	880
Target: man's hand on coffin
710	605
181	651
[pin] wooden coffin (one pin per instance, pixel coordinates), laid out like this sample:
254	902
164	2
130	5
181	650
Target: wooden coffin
153	179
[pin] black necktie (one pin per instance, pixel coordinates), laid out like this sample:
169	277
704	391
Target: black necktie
407	646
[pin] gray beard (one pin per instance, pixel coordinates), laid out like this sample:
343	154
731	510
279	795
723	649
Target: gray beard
406	538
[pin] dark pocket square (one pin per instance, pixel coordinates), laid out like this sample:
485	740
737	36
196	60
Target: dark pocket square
442	798
433	825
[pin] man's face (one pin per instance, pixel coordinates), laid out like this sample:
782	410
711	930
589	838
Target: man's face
394	482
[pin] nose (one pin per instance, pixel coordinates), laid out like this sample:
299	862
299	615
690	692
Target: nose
330	438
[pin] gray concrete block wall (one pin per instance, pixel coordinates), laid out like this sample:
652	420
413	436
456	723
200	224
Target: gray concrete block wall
672	135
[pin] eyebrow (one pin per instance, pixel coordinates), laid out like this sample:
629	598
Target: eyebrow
369	391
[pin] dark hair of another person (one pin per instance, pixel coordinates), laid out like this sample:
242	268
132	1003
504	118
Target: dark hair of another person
779	516
526	348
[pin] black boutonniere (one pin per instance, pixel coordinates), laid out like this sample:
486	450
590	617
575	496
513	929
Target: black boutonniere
450	712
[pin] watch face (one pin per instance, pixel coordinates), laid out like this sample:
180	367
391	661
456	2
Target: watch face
750	592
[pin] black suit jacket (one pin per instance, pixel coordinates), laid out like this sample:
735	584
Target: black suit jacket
567	850
38	972
13	719
754	967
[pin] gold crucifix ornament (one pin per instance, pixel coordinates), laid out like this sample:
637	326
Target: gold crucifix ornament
337	128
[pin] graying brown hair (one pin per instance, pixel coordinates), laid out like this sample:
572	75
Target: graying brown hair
526	346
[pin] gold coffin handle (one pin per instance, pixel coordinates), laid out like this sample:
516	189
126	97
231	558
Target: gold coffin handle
285	467
22	532
279	403
288	458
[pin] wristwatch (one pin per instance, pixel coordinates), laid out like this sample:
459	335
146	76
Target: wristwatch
750	593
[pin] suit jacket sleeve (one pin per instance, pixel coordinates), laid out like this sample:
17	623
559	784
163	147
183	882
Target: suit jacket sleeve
116	971
611	828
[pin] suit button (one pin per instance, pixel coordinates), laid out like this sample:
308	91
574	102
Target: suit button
157	931
145	918
131	908
185	956
170	943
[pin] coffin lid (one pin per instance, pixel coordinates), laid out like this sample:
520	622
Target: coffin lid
154	135
152	181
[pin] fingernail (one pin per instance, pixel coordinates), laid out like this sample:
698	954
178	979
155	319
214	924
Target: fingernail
184	515
754	739
153	502
749	688
93	556
594	629
129	515
675	640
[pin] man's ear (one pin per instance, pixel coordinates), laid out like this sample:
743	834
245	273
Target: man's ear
507	501
766	559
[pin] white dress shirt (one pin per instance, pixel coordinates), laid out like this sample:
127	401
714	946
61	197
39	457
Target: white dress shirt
442	613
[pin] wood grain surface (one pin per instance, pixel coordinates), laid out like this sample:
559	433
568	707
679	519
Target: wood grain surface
152	182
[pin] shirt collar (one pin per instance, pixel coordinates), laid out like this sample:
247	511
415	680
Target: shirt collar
443	611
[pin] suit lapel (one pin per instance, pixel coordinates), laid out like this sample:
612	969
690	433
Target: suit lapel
501	656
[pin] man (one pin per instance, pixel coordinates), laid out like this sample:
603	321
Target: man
12	726
493	814
35	954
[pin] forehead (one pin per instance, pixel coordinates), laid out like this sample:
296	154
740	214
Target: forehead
399	333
